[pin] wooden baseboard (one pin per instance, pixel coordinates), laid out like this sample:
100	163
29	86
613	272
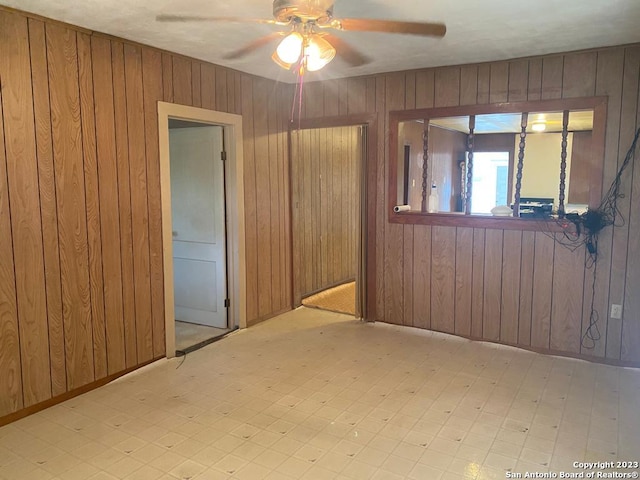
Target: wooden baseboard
558	353
30	410
251	323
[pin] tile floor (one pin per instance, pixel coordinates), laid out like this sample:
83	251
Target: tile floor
318	395
190	334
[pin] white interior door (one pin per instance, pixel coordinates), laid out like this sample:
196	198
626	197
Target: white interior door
198	225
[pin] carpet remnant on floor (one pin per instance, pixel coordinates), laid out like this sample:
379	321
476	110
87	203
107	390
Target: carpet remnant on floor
341	299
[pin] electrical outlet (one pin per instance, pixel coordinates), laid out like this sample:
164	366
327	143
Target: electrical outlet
616	311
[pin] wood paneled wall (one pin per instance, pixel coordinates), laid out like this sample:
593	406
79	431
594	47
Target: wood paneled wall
81	274
325	165
513	287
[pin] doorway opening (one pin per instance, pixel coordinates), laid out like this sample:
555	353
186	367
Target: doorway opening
198	215
203	230
328	221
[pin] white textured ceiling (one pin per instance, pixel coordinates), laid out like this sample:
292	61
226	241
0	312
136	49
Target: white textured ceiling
477	30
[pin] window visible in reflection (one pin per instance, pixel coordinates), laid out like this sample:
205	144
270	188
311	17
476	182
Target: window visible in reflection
490	181
495	157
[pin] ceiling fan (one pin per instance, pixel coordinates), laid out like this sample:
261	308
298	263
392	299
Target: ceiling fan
307	45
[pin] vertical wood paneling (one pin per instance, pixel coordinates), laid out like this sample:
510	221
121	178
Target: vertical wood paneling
24	199
619	254
499	82
542	290
324	212
534	90
84	197
381	198
464	280
443	278
80	201
518	81
208	86
566	302
109	205
325	177
312	101
331	90
221	89
407	291
371	98
284	198
139	205
167	77
484	76
152	88
182	86
124	202
250	206
357	95
307	206
579	75
421	282
425	89
468	85
491	314
342	96
552	77
394	236
477	286
511	274
263	197
11	398
447	87
526	288
231	92
609	79
48	204
237	94
410	90
96	284
196	90
312	216
275	187
631	316
70	188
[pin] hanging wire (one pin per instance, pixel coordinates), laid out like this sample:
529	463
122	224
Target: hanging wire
587	228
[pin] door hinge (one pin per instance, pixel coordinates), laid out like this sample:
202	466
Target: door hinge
227	303
223	156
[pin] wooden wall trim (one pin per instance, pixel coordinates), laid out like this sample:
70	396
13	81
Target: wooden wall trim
507	259
38	407
370	172
236	264
81	202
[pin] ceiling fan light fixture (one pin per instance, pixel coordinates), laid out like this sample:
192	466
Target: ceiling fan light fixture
318	53
289	50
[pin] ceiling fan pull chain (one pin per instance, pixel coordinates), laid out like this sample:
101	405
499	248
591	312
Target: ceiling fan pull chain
301	78
295	96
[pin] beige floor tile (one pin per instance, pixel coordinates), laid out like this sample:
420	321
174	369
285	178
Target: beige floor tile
280	401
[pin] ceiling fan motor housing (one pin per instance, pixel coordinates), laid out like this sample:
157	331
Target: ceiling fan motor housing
318	11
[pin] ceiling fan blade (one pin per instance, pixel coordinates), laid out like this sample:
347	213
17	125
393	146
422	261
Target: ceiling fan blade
251	46
349	54
198	18
391	26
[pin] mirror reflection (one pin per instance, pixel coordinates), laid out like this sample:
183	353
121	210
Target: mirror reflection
472	163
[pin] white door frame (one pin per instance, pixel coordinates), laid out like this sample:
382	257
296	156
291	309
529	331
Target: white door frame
235	211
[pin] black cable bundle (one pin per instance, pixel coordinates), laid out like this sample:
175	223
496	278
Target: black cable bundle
609	205
588	225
